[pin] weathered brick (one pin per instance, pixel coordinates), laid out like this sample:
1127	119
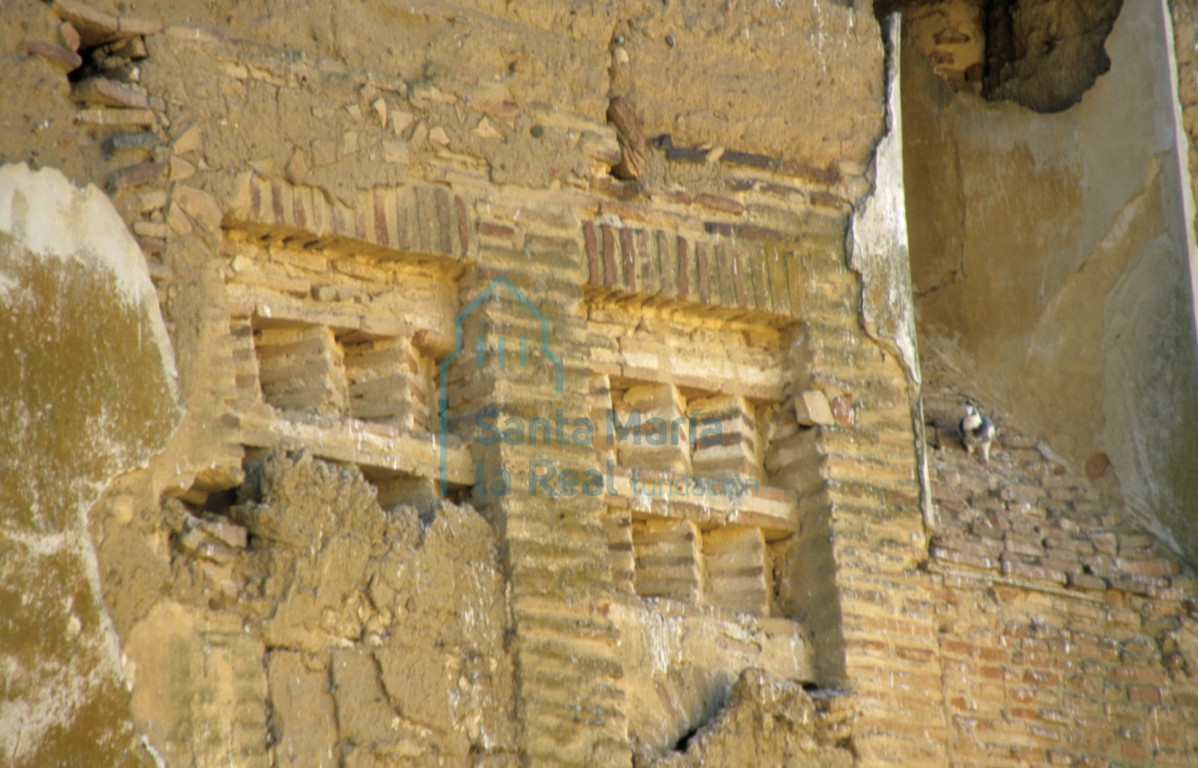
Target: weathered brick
62	59
611	274
135	175
1156	567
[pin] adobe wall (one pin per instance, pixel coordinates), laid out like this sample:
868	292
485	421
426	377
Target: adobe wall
381	236
311	571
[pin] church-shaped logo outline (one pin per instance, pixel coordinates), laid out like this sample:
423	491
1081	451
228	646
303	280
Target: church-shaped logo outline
443	366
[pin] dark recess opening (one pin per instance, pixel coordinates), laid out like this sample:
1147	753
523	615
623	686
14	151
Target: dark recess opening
1042	54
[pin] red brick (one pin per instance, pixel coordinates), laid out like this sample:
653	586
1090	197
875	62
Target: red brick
610	273
993	654
360	229
809	172
443	204
276	200
1085	581
404	234
623	212
1135	583
381	234
828	200
1135	752
464	225
992	673
1040	677
299	212
704	284
957	647
1143	693
738	279
502	231
1028	754
1141	674
672	195
646	253
1020	569
743	231
62	59
683	275
628	251
720	202
595	275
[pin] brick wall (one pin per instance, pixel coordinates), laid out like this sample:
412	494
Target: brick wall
869	511
338	305
1066	633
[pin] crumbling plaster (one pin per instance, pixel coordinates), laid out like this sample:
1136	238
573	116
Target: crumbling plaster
88	393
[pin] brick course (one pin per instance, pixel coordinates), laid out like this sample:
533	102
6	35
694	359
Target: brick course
1054	649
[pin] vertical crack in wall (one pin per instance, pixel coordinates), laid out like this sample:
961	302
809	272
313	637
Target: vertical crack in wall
878	252
877	244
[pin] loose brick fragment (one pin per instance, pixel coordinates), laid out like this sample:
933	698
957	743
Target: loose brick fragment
69	35
97	28
115	117
62	59
135	176
105	92
633	145
124	142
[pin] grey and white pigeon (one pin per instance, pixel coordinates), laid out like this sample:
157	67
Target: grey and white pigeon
977	432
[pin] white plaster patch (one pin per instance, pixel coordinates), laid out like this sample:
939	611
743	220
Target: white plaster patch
45	218
45	214
59	692
878	234
8	284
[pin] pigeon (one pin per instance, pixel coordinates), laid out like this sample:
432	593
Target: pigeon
977	432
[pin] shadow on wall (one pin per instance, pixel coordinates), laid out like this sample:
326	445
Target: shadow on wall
1050	256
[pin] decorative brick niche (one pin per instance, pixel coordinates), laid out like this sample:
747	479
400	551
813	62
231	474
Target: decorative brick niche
668	559
738	569
301	368
740	451
391	382
335	352
697	516
306	368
